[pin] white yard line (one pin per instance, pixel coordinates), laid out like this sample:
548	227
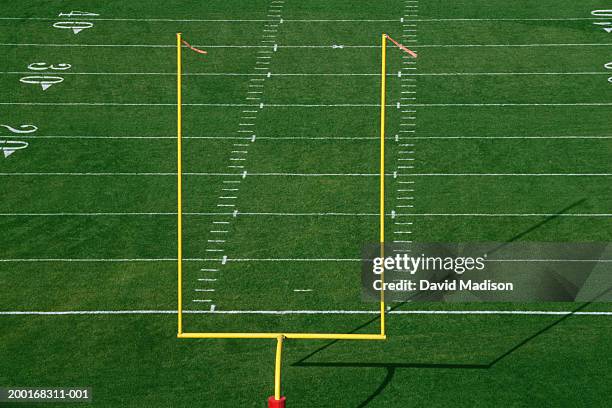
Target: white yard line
509	175
503	73
328	46
294	260
298	74
299	138
295	214
92	214
312	174
508	104
241	260
504	215
127	260
299	105
212	214
512	19
91	174
508	137
496	45
95	260
551	260
307	312
195	20
98	104
222	105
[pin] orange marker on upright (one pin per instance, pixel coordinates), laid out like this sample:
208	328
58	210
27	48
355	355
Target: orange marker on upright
402	47
191	47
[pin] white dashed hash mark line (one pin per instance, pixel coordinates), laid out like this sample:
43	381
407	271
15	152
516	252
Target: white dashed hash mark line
246	125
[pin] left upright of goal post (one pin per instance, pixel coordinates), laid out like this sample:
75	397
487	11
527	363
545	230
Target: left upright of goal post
179	128
179	172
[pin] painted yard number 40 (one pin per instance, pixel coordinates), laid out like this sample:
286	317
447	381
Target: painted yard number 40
607	27
75	26
609	67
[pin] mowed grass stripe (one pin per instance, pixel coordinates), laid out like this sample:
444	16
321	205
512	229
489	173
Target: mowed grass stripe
232	9
201	155
456	32
575	156
246	286
513	155
514	120
483	196
291	60
122	286
155	195
59	286
114	32
212	90
536	229
130	60
328	47
120	237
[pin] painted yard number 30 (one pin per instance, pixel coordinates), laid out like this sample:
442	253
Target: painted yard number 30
75	26
45	81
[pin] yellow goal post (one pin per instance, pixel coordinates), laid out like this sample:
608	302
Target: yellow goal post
313	336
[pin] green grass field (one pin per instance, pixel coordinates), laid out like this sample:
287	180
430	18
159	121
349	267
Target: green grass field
499	131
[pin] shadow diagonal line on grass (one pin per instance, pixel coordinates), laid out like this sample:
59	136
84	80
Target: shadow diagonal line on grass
392	366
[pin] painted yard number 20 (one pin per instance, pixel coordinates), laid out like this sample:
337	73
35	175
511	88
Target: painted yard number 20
9	147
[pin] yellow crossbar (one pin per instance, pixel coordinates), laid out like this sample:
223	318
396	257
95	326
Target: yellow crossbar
311	336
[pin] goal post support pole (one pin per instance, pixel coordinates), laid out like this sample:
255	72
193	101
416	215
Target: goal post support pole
277	401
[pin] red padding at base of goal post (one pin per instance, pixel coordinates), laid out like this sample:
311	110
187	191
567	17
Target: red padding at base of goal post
274	403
